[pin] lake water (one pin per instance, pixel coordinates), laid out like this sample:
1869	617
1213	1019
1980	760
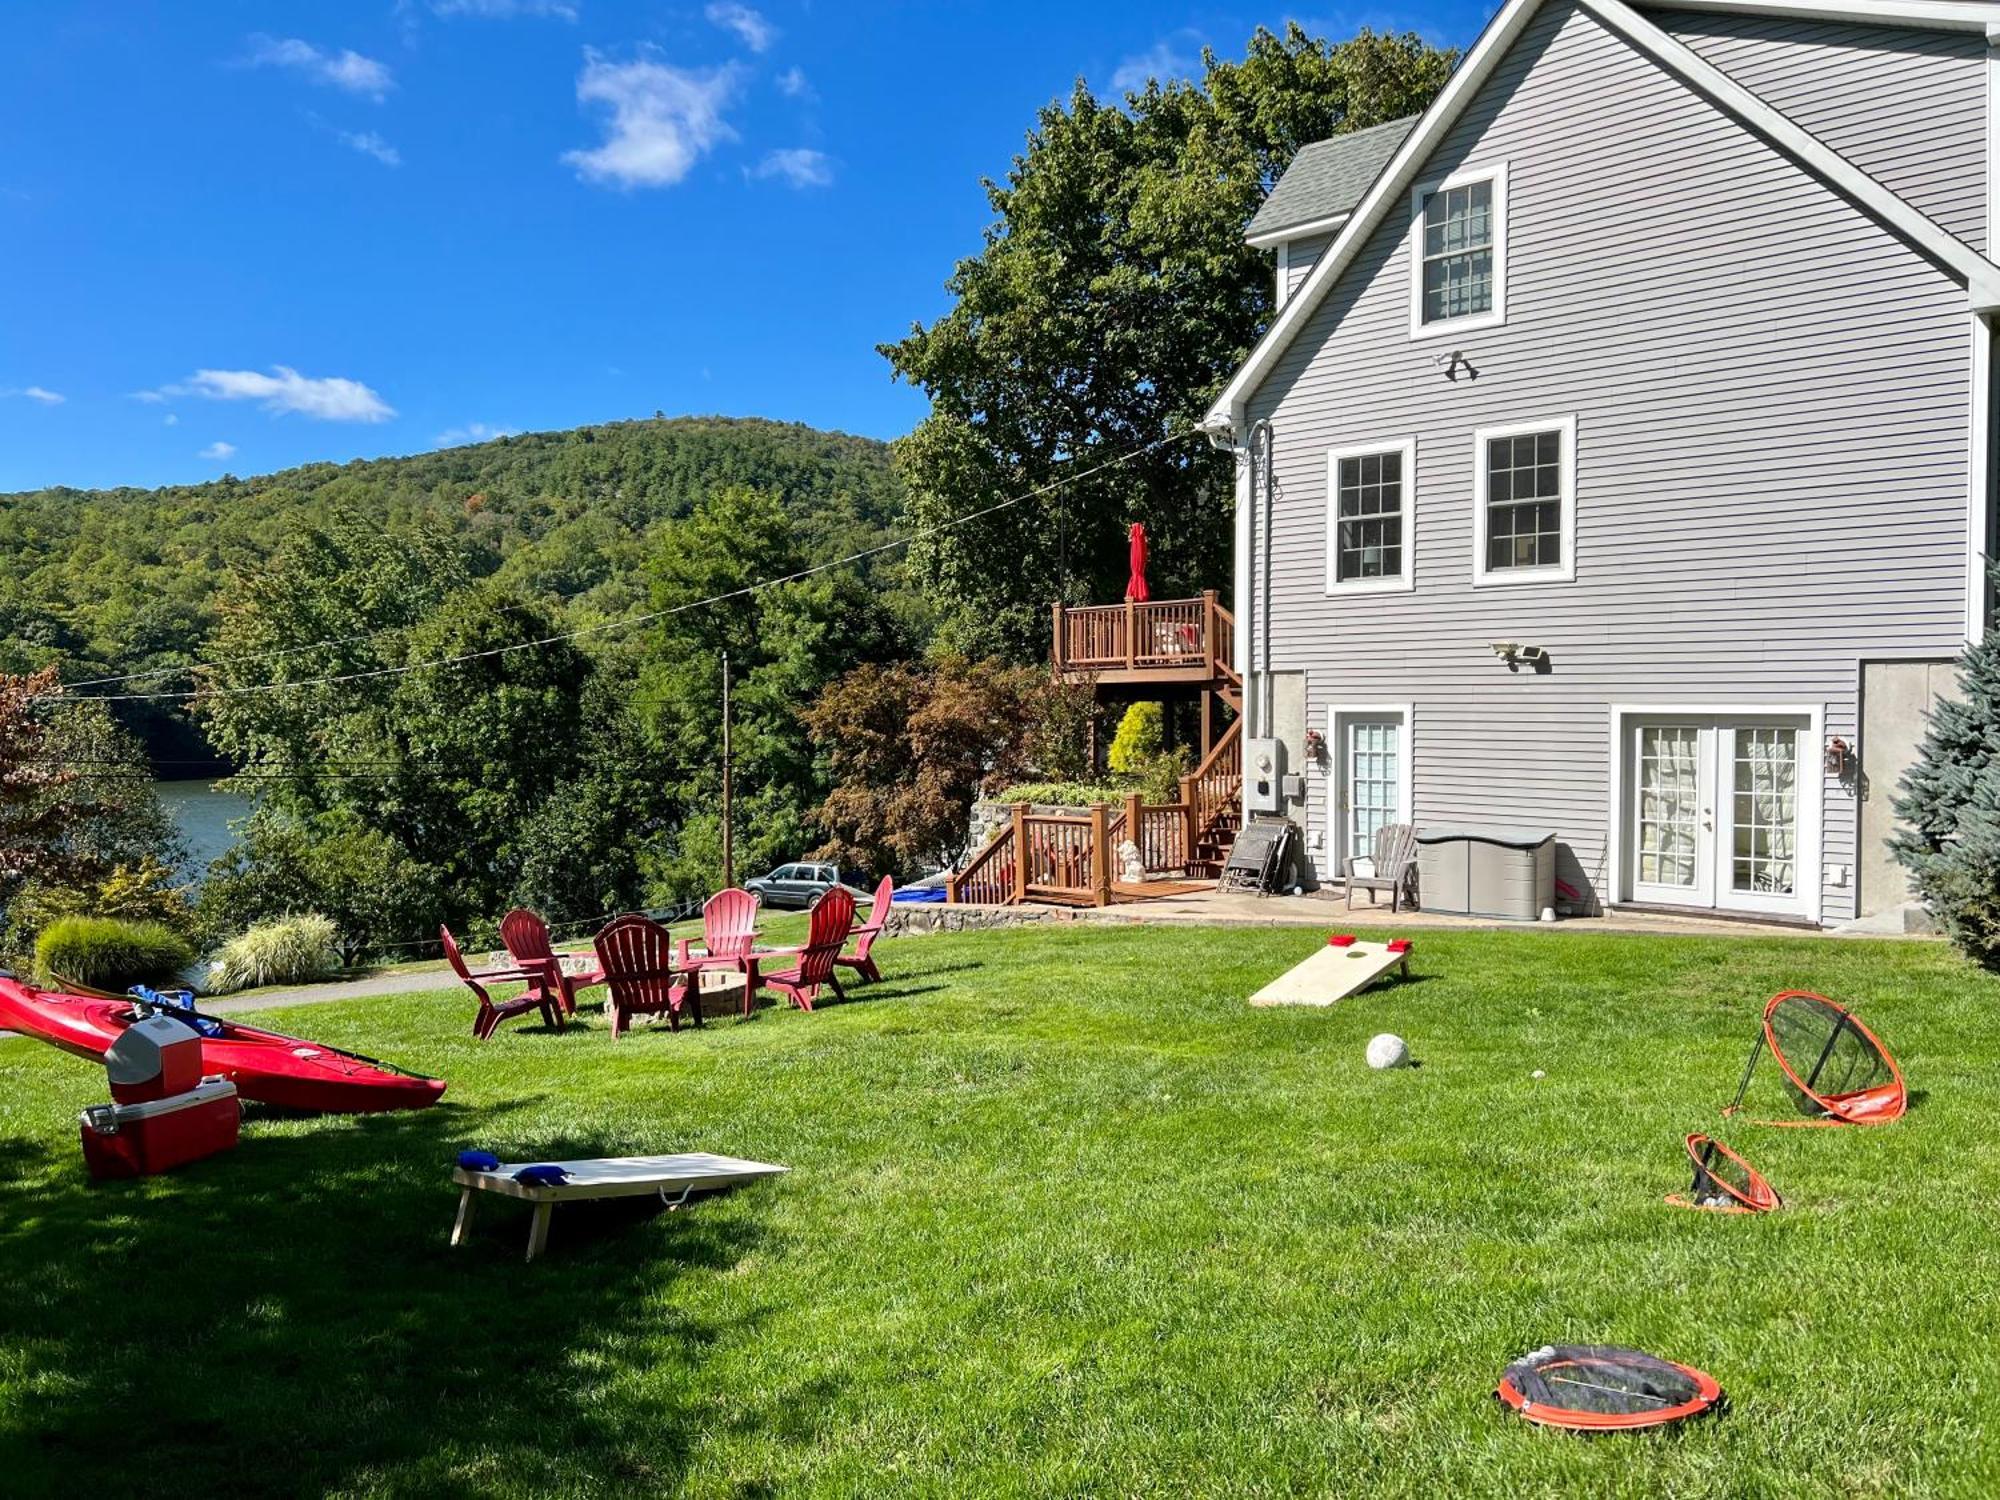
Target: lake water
203	813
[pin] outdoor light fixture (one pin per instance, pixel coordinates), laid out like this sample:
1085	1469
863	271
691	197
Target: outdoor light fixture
1516	655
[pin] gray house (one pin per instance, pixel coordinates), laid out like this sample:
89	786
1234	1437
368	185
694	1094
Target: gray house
1618	461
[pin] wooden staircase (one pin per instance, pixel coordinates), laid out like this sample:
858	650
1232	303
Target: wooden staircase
1215	793
1072	858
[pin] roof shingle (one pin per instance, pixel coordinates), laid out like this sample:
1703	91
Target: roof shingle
1328	177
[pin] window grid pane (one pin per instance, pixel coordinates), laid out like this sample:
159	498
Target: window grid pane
1458	252
1669	805
1368	540
1765	812
1524	501
1371	782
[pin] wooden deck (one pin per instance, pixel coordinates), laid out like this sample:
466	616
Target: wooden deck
1186	643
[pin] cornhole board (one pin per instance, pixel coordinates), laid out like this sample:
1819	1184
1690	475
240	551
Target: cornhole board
674	1178
1331	974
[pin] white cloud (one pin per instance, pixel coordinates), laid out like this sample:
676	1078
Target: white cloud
1172	57
798	167
328	399
502	10
170	420
750	26
663	119
217	450
37	393
793	84
345	69
368	143
472	432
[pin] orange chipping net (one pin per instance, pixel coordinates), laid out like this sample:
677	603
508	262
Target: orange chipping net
1724	1182
1597	1388
1836	1070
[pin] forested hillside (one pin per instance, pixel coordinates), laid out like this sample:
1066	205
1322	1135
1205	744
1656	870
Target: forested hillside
108	582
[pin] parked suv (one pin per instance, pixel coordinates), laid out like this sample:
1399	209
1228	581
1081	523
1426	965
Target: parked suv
795	885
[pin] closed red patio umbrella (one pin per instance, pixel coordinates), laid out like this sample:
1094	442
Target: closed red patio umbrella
1136	591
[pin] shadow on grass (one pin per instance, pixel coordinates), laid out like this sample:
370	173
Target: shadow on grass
289	1318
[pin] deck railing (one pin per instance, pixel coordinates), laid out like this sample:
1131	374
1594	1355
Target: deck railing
1073	856
1215	787
1160	635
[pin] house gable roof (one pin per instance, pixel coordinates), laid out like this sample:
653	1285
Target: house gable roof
1982	276
1324	182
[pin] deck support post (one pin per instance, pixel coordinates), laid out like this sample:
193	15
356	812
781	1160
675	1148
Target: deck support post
1192	814
1100	853
1020	852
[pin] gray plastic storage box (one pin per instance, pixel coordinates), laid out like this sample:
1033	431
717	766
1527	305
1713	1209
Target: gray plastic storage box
1490	871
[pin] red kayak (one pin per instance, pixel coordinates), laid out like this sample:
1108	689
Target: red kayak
287	1071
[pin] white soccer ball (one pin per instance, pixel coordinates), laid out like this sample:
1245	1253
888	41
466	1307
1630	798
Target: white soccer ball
1388	1051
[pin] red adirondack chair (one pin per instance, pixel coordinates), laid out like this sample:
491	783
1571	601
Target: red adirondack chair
826	929
526	938
728	929
636	954
492	1012
864	936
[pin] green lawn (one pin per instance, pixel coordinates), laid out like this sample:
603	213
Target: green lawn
1065	1217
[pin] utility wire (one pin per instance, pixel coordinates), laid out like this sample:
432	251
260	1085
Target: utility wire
276	652
368	674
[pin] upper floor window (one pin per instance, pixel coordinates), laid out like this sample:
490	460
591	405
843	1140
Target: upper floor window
1458	275
1524	506
1371	514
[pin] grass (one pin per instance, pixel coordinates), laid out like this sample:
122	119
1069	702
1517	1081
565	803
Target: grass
1065	1218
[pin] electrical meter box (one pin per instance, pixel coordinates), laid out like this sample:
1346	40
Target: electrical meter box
1264	775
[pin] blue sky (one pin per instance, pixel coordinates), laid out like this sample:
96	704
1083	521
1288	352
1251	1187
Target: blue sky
239	236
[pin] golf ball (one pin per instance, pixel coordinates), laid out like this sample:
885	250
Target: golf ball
1388	1051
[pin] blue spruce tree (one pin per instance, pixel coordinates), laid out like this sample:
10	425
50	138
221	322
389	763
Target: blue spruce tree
1949	807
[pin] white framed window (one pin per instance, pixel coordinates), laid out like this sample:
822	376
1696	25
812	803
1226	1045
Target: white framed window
1371	511
1458	252
1524	502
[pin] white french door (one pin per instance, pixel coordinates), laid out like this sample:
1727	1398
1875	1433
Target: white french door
1372	776
1723	813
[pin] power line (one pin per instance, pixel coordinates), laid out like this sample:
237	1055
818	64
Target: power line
371	673
273	654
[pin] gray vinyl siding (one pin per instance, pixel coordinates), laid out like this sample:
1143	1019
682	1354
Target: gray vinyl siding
1301	256
1770	400
1905	105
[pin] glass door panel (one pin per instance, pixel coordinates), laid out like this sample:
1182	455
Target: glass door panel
1371	782
1760	866
1671	814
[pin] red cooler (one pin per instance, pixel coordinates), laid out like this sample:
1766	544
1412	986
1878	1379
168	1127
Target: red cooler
153	1059
137	1140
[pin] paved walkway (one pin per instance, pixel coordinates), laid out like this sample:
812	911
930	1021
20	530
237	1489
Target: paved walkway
1240	908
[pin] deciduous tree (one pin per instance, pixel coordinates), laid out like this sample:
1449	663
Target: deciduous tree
1112	297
